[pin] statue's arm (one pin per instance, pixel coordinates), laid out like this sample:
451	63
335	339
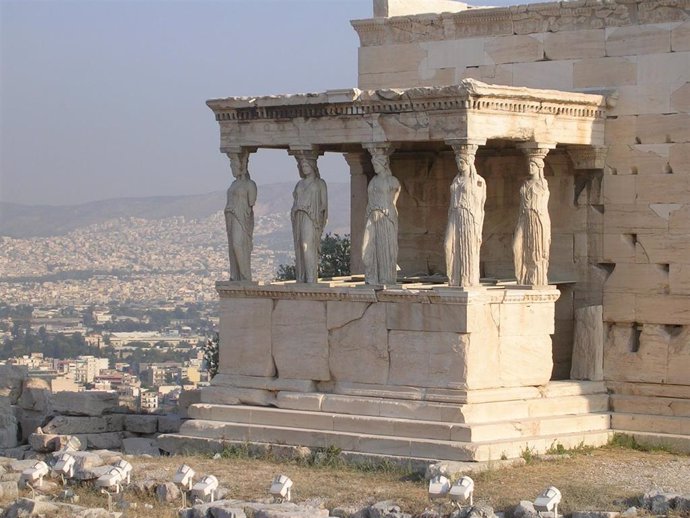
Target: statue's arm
323	191
251	193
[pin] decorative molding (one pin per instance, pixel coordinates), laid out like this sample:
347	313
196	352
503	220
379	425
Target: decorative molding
352	292
469	95
517	19
588	157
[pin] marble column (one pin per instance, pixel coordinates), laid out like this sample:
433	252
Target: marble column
463	240
239	214
361	172
532	238
309	215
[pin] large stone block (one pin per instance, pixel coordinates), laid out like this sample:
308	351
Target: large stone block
35	395
526	319
390	58
145	424
663	309
245	337
679	279
639	278
514	49
11	379
619	307
619	189
634	353
588	344
9	432
680	37
632	219
524	360
678	354
557	75
663	248
672	69
358	349
663	128
300	340
575	44
601	72
634	40
679	156
427	317
428	359
92	403
66	425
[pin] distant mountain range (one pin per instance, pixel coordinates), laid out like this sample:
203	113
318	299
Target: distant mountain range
26	221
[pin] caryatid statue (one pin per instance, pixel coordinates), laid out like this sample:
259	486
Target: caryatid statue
380	243
309	215
465	219
239	216
532	240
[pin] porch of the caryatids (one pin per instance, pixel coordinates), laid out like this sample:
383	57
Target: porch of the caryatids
309	214
239	214
532	238
463	238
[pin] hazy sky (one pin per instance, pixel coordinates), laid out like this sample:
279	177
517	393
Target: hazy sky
105	98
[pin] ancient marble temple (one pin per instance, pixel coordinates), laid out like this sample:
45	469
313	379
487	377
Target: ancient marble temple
473	324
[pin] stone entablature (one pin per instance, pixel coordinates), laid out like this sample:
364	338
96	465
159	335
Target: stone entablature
336	119
517	20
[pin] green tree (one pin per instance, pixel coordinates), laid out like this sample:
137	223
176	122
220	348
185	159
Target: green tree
334	262
211	352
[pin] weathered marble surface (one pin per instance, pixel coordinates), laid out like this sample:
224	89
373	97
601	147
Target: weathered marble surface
394	339
465	219
239	217
309	215
532	240
380	241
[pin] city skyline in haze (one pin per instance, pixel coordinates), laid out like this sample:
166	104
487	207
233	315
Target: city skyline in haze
102	99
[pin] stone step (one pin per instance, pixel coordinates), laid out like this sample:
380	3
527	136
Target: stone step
673	442
409	428
421	410
655	424
650	405
213	436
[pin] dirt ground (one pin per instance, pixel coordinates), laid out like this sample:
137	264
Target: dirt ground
606	479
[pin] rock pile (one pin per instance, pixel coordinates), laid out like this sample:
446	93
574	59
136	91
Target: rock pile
35	421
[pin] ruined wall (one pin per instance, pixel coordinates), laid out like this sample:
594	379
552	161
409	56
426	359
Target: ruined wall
638	225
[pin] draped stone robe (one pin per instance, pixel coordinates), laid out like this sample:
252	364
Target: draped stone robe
380	244
464	232
532	241
309	215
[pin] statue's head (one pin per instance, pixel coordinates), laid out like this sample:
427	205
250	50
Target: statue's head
308	167
464	163
381	163
536	167
239	163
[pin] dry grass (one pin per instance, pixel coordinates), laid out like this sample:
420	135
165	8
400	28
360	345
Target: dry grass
609	478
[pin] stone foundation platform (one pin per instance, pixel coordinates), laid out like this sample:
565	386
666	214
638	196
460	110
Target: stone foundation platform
562	412
419	371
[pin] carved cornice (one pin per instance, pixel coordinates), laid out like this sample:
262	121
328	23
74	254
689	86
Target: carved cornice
518	19
468	95
361	293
